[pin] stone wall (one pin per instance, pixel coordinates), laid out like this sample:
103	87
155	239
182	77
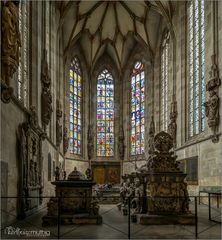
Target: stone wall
15	113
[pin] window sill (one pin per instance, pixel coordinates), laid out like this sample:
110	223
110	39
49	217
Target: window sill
194	140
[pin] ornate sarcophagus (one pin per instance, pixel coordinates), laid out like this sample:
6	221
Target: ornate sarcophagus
73	203
168	199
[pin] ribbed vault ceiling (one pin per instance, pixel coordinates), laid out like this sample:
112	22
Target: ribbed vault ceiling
112	27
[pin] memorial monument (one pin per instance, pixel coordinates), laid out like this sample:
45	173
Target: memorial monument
73	203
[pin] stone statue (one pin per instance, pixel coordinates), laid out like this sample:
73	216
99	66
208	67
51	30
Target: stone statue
88	174
172	127
10	29
46	97
137	200
10	44
58	125
212	109
57	174
65	137
33	118
123	191
64	175
151	136
94	207
90	145
212	105
121	146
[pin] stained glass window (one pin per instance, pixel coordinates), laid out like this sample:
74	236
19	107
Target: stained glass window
105	114
137	109
24	57
164	113
75	101
196	65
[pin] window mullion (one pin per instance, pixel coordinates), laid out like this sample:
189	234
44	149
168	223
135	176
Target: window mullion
193	74
200	68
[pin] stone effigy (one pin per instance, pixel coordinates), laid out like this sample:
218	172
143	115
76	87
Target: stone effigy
75	201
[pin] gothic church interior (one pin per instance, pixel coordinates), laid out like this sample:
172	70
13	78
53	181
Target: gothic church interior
98	90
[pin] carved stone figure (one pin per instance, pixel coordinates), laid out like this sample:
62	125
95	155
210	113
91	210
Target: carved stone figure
57	174
65	137
10	44
137	200
58	125
88	174
121	146
151	136
123	191
212	110
33	118
212	105
94	207
90	145
172	127
46	98
64	175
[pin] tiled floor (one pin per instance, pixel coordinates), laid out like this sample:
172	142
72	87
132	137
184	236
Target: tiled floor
115	226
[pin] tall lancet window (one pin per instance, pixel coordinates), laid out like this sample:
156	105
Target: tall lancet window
105	114
164	110
75	100
137	109
196	65
23	70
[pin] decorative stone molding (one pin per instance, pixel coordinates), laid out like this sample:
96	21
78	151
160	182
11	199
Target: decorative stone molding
90	144
162	160
172	127
212	105
121	146
46	98
30	162
10	44
151	136
58	125
65	137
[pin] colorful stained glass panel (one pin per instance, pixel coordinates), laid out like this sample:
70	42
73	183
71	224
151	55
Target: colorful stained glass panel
75	107
137	109
105	114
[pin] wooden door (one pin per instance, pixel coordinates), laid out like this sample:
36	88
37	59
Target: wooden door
99	175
